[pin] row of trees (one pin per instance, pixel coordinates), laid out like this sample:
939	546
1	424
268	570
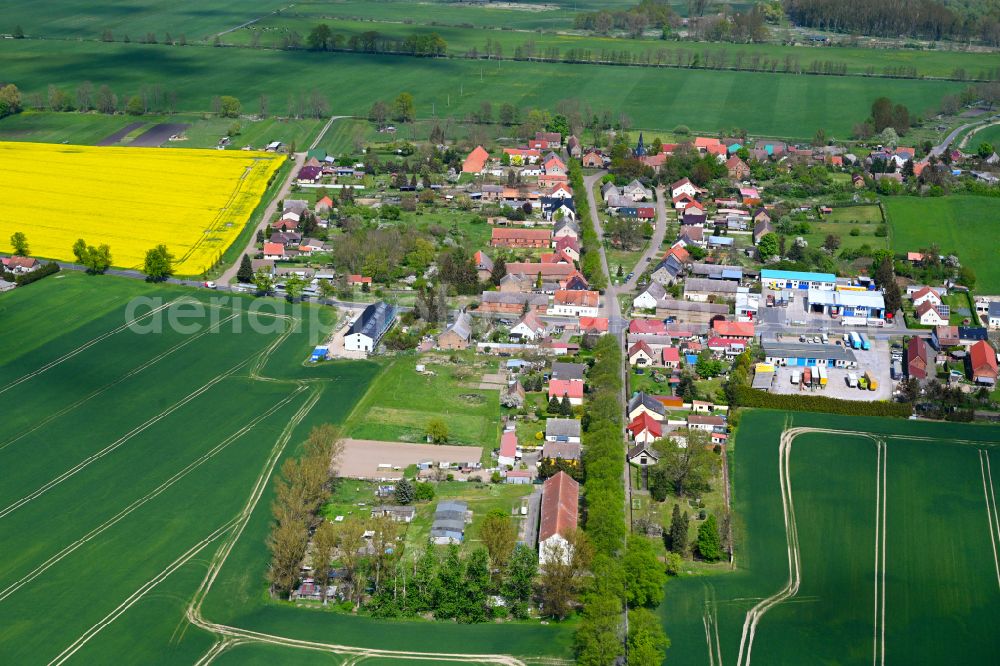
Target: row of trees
590	260
300	490
322	38
624	570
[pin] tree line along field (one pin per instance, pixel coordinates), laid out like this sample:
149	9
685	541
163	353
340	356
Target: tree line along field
133	458
271	32
934	570
967	226
780	105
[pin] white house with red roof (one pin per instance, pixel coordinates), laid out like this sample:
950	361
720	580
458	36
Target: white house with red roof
274	251
926	295
742	330
569	388
508	449
644	429
560	510
684	186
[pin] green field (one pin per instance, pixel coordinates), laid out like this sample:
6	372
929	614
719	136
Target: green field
89	129
967	226
79	19
936	571
990	135
866	219
773	104
132	458
401	402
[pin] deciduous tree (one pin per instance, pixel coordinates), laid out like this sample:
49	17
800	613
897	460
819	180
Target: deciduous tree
19	242
159	264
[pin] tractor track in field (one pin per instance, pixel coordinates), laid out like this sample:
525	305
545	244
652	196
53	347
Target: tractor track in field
991	507
156	492
85	346
791	587
240	635
137	596
878	642
257	359
131	373
121	441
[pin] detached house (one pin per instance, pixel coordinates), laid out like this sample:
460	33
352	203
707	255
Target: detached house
641	354
559	514
484	265
562	430
684	186
458	335
644	429
983	363
737	168
649	297
566	388
572	303
930	315
643	403
528	328
926	295
918	359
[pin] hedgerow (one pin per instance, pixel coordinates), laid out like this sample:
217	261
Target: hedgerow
749	397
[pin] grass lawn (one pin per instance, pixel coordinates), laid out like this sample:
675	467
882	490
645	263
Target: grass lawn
399	404
934	501
957	224
654	98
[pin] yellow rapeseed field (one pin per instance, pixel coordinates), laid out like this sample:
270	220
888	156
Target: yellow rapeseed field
195	202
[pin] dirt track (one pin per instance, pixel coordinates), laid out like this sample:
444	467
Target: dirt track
362	457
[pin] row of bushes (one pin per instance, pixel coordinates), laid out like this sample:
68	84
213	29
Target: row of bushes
748	397
590	261
22	279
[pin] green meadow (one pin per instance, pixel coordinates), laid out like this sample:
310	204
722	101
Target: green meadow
780	105
935	573
967	226
401	401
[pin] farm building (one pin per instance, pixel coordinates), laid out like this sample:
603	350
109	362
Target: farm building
560	511
700	289
772	279
399	514
368	329
689	311
457	335
449	522
808	355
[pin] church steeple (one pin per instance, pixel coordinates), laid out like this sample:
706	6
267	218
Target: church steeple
640	148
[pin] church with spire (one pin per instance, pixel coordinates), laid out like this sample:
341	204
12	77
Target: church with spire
640	148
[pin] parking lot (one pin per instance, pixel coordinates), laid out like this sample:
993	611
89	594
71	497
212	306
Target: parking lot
876	361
